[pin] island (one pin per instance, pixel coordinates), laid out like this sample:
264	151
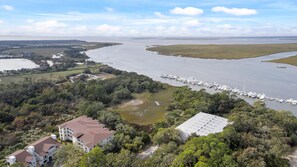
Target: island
288	60
230	51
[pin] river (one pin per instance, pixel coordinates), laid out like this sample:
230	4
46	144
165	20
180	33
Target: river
246	74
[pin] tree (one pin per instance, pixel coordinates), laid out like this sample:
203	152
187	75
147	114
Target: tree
251	157
123	159
5	117
167	135
110	119
186	158
205	151
95	158
91	109
68	156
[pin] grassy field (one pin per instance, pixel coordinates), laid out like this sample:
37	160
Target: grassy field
236	51
289	60
53	76
149	111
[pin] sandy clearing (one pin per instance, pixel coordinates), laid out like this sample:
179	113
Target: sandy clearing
135	102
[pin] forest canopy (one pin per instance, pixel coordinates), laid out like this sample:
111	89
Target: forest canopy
256	135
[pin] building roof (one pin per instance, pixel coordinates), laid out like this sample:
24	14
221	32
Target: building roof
87	130
42	145
202	124
22	156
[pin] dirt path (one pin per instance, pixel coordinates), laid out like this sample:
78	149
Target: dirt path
292	158
148	152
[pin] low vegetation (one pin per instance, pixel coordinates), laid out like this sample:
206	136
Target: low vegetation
289	60
235	51
150	109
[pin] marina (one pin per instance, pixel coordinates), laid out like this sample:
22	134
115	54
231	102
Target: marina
216	86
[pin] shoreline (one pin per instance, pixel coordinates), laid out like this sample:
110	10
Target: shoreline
115	57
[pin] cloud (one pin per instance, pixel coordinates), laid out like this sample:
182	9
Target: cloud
7	7
30	21
225	26
155	23
160	28
159	14
235	11
108	9
1	21
191	11
44	27
50	24
108	29
192	23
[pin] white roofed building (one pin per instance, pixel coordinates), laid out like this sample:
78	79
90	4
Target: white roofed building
202	124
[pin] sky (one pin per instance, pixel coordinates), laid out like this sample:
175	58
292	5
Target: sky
178	18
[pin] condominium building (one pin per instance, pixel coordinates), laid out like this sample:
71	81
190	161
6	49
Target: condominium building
38	153
85	132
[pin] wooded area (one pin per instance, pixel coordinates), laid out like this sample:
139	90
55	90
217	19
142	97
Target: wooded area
258	136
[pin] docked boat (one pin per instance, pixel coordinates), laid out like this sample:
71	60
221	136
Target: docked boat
213	85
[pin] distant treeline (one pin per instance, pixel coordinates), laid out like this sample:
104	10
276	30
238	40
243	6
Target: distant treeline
41	42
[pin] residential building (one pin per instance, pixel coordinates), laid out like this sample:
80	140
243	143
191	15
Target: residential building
38	153
85	133
43	149
202	124
23	157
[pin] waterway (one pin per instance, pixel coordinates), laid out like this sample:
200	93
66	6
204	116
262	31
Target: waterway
250	74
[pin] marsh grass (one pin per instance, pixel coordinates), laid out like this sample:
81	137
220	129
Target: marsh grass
235	51
289	60
148	112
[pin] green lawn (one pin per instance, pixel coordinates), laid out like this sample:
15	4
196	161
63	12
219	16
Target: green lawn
235	51
53	76
148	112
289	60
